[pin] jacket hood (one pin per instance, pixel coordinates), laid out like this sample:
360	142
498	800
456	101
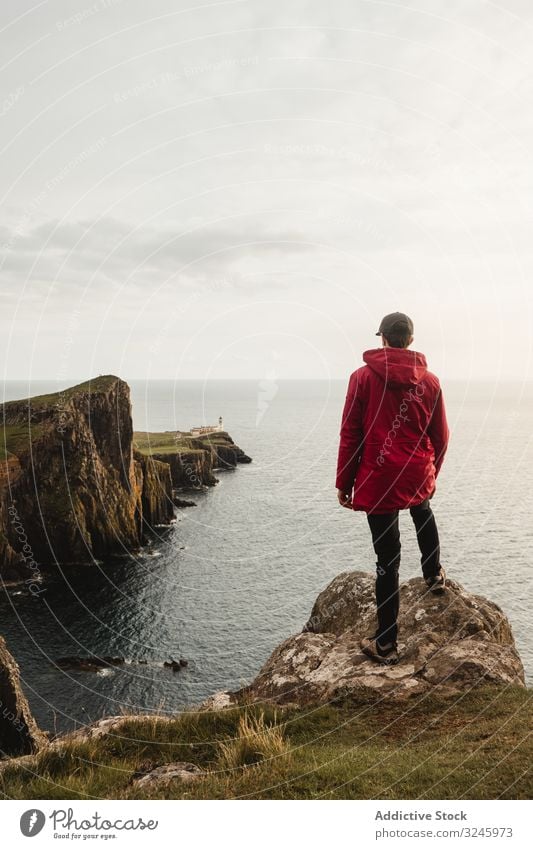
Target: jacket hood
397	366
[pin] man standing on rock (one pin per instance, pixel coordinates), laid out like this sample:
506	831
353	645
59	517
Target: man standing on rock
393	439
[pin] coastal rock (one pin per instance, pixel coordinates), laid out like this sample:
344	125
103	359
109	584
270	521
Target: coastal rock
78	485
71	489
156	490
192	459
19	734
190	469
448	644
226	454
217	701
176	665
183	502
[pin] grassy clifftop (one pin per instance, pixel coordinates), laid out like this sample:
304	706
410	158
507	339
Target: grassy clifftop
474	747
51	399
18	439
19	431
166	442
163	443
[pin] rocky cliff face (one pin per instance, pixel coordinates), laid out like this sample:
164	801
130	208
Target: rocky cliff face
19	734
194	460
226	455
154	482
71	489
75	485
190	469
447	644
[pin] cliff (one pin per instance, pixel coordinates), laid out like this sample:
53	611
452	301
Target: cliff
76	483
448	644
226	455
19	734
154	482
71	487
192	460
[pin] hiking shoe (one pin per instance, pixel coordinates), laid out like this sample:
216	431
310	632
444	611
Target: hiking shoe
388	654
437	583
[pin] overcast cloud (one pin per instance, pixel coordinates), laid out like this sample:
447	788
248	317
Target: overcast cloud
192	192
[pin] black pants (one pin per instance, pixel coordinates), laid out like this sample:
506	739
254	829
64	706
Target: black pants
385	529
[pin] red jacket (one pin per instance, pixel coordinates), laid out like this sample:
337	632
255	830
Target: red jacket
394	432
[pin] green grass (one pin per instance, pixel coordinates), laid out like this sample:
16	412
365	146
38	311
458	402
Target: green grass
476	746
97	384
257	739
165	443
17	439
219	438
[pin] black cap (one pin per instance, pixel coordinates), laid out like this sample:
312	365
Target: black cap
396	322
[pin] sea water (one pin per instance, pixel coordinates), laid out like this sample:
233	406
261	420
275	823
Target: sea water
240	571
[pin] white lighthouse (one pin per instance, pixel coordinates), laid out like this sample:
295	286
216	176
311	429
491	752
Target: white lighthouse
205	430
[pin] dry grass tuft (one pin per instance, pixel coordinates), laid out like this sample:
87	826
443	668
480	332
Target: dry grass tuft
255	741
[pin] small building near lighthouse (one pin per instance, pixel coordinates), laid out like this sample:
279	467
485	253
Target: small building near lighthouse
204	430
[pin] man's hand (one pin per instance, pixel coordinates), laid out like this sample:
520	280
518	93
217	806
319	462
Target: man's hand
345	498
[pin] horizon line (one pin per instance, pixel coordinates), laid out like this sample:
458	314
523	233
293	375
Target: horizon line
75	380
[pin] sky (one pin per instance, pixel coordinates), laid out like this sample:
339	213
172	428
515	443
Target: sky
239	189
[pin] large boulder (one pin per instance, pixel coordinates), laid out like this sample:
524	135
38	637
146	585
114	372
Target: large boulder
447	644
19	734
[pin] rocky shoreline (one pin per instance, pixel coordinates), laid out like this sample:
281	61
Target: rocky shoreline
77	484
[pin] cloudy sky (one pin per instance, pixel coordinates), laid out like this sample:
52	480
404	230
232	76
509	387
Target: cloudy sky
206	190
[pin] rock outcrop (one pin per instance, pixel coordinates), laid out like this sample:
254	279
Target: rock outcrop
19	734
154	482
190	469
156	777
447	644
71	488
77	485
193	460
226	455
